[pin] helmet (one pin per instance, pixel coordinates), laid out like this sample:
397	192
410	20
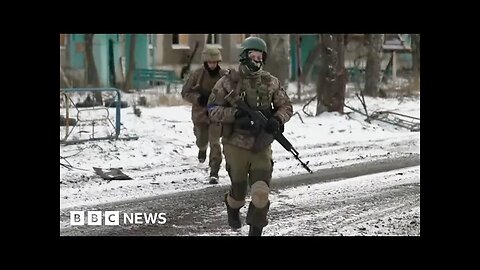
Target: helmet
253	43
211	54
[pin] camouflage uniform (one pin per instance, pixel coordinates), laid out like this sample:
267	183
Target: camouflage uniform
198	86
260	90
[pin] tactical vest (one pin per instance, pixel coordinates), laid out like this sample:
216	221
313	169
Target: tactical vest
255	93
206	86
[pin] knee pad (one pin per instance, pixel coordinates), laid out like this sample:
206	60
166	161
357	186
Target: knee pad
260	192
235	204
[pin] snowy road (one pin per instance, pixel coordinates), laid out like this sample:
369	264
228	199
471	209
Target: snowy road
379	197
164	158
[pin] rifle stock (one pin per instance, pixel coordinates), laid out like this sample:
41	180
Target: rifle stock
186	68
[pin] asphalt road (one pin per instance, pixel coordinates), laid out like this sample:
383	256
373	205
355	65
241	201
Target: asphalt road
369	210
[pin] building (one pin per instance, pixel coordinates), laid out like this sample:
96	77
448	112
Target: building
173	52
152	51
396	47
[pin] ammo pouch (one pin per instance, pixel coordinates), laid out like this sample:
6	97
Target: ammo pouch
227	130
262	141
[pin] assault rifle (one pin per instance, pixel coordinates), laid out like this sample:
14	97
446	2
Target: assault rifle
263	138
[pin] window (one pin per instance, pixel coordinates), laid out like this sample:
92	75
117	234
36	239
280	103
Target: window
213	39
180	41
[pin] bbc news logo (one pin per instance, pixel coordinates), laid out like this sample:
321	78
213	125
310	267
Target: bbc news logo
112	218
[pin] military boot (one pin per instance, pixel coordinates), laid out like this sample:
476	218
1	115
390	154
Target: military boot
233	216
255	231
202	156
214	176
257	219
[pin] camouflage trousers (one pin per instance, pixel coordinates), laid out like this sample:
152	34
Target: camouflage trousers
209	133
249	170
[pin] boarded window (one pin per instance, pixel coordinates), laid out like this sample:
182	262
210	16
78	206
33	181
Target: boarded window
183	39
180	39
213	39
175	40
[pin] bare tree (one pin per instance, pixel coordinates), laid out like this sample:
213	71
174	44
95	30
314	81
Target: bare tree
131	65
91	68
332	77
278	60
416	60
64	78
373	68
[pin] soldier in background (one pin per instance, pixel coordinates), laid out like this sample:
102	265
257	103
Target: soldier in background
196	90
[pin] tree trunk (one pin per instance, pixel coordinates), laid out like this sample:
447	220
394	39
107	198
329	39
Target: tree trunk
92	75
131	65
278	62
333	76
64	78
373	68
416	61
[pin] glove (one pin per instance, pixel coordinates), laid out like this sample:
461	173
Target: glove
239	113
273	125
242	119
202	100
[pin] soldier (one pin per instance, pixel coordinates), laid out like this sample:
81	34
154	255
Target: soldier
248	165
196	91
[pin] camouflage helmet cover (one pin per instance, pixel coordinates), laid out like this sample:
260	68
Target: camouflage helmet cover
212	54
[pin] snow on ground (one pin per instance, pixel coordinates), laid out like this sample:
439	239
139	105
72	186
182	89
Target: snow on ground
331	211
386	204
163	159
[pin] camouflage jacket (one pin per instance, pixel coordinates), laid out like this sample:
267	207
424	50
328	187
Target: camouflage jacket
199	83
260	92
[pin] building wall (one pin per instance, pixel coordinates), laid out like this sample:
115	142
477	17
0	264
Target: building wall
76	50
355	53
100	55
307	43
72	58
63	48
356	49
63	57
141	50
175	57
165	56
